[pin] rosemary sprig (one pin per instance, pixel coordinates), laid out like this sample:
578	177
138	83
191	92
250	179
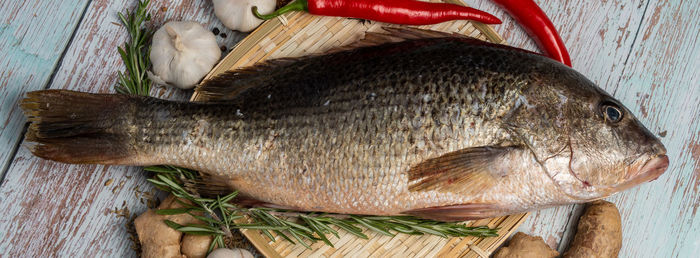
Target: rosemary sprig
219	214
135	53
296	227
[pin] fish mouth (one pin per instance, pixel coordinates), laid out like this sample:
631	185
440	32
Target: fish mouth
649	171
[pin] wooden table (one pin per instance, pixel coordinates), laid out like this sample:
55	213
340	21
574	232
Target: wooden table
644	52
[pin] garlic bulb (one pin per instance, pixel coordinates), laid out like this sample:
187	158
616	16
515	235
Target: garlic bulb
238	14
230	253
182	54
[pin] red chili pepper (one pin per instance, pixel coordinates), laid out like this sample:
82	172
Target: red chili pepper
409	12
536	23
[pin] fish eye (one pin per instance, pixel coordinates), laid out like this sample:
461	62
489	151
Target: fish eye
611	112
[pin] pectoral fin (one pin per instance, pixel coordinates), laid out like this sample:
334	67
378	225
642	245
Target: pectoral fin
467	171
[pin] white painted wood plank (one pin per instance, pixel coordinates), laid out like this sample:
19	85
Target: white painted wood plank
50	209
60	210
33	34
53	209
598	34
661	84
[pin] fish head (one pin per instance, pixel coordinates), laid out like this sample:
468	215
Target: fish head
588	142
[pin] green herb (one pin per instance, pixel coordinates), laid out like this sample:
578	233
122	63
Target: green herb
296	227
220	214
135	53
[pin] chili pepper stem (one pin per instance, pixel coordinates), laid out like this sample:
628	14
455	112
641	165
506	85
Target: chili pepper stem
298	5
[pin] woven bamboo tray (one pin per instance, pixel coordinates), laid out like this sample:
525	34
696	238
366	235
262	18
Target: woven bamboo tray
299	34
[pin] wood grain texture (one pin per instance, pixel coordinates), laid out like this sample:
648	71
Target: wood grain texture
646	52
33	35
53	209
661	84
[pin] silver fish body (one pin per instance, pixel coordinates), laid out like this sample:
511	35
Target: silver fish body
446	128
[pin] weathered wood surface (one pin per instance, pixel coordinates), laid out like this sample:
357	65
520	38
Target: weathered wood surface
646	52
52	209
33	35
661	84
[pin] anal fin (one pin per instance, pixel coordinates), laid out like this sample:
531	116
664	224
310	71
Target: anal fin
212	186
207	186
459	212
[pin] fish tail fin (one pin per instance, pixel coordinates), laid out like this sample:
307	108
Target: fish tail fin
76	127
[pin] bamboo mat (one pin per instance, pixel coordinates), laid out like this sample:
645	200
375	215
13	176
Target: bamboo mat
299	34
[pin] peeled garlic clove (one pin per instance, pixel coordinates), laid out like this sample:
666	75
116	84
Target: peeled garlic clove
238	14
230	253
182	53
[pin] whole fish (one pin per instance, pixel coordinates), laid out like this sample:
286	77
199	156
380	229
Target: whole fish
411	122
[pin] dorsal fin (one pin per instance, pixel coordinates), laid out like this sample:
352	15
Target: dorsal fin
394	35
229	84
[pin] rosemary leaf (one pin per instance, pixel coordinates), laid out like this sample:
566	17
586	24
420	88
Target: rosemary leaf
296	236
349	228
206	219
200	229
297	226
428	230
134	54
373	226
405	230
172	224
215	243
317	230
328	229
229	197
260	226
231	219
172	211
283	235
268	234
188	205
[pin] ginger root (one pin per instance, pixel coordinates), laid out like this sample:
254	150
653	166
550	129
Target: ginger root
159	240
599	232
525	246
195	246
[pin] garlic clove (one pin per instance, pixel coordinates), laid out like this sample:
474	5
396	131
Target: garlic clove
155	78
182	53
238	14
175	38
